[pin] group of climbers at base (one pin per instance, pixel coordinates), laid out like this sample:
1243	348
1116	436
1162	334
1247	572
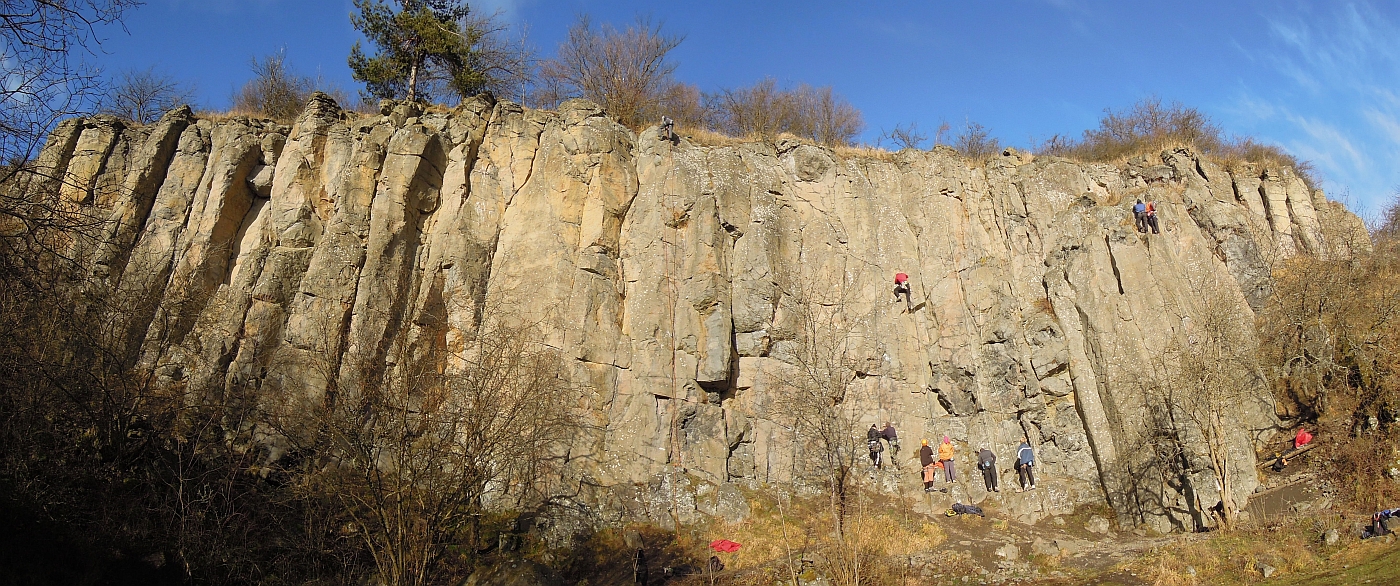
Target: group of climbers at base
986	462
1145	216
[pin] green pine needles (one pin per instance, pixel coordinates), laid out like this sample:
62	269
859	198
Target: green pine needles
426	48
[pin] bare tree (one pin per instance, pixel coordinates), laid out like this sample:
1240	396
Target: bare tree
1211	378
143	95
976	141
505	56
758	110
275	91
414	462
627	71
818	395
765	110
827	117
43	45
905	137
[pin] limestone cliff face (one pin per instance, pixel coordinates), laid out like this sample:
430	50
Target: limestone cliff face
671	275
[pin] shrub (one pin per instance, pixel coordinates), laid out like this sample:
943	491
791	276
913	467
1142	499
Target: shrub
143	95
274	91
626	71
976	142
1150	126
279	93
765	110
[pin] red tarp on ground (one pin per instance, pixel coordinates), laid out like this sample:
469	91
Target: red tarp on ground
724	545
1302	439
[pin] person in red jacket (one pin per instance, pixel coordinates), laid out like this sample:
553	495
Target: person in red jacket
901	287
1152	217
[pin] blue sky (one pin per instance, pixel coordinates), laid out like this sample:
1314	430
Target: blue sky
1321	79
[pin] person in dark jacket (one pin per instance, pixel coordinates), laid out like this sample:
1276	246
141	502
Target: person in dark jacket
891	437
987	463
929	464
875	450
1025	461
873	433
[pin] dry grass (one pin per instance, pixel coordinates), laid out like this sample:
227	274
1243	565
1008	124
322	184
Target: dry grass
710	138
777	539
1238	557
865	152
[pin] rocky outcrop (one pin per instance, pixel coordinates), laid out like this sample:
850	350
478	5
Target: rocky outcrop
675	277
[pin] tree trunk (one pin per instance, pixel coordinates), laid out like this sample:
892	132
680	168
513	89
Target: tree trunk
413	81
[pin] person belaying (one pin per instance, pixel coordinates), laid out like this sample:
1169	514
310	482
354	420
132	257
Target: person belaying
1152	216
891	437
929	464
987	463
945	457
1025	461
875	450
1140	216
901	287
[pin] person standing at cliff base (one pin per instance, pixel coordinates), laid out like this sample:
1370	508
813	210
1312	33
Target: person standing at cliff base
901	287
987	463
891	437
930	466
1025	461
945	457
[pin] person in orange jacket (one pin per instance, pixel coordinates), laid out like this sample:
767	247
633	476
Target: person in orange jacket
945	455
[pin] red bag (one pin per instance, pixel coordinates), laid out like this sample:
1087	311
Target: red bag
1302	439
724	545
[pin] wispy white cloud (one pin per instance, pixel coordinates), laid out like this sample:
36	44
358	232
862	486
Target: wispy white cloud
1337	104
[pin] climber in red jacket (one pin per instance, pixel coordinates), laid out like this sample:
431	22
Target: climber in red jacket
901	287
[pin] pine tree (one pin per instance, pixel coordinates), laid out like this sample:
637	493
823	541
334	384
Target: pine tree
422	44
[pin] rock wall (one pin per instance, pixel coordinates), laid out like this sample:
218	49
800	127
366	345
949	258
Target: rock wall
674	277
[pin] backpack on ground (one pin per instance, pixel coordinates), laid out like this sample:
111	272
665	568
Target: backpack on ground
961	509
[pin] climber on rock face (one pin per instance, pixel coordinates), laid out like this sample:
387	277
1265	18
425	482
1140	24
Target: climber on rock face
901	287
1151	216
875	450
668	128
1140	216
891	437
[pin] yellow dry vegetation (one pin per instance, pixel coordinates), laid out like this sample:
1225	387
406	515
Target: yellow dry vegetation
774	536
